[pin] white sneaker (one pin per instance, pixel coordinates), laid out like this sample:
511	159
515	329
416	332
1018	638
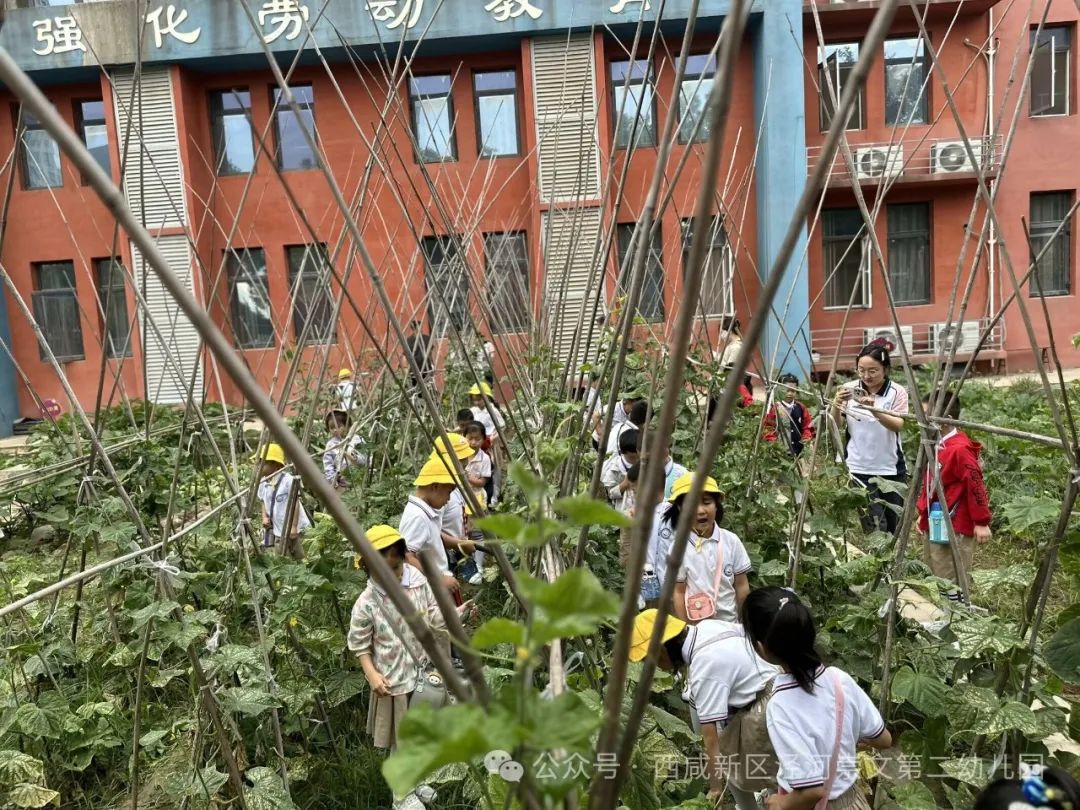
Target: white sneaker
426	794
475	579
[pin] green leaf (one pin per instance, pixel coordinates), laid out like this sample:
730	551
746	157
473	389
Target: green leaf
981	634
160	678
913	796
1013	577
1062	652
31	719
925	692
342	685
564	722
202	784
539	532
155	610
15	766
247	700
123	657
1007	717
970	770
576	604
30	795
430	739
1029	511
532	485
266	791
506	527
231	657
152	739
498	631
581	510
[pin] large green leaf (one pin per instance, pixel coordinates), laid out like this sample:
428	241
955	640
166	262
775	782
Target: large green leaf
32	720
564	722
1062	652
913	796
575	604
923	691
506	527
27	794
231	657
498	631
247	700
532	485
970	770
201	784
978	635
1012	577
1007	717
1028	511
266	792
15	767
342	685
155	611
581	510
430	739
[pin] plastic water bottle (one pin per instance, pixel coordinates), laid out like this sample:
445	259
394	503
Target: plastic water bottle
937	525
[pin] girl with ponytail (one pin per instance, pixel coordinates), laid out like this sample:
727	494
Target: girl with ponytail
817	715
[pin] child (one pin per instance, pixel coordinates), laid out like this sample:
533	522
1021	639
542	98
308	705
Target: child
464	419
788	418
967	502
635	421
341	452
712	580
421	520
486	412
672	470
1048	789
478	470
389	653
615	477
345	389
275	491
622	414
729	688
817	715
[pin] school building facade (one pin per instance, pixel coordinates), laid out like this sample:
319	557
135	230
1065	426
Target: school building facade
487	177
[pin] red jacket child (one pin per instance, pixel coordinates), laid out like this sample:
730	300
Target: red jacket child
962	481
795	421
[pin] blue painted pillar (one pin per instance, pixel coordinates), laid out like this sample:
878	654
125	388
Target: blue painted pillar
9	396
780	116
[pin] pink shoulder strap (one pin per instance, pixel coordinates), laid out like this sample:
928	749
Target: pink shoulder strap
838	690
719	568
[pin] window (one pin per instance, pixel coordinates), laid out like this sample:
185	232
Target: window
496	112
905	79
112	297
847	266
91	126
1051	74
433	117
249	298
909	252
1049	211
309	288
56	309
507	265
39	156
230	124
651	302
694	94
293	151
447	284
716	287
632	94
837	61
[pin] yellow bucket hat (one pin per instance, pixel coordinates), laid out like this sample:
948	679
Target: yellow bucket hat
344	373
434	471
382	536
482	388
272	452
684	482
643	630
459	445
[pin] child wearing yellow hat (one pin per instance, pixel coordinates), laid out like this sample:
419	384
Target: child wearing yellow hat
389	653
346	389
421	520
276	488
486	412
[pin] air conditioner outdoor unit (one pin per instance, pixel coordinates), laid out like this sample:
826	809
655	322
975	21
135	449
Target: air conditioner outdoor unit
879	161
889	333
965	336
951	156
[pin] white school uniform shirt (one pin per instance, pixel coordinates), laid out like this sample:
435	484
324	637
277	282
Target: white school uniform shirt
340	454
346	389
421	526
452	519
620	417
274	493
491	426
873	449
698	569
616	432
723	671
612	475
802	729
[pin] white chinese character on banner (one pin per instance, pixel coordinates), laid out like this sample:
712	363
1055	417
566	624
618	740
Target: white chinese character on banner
622	4
172	21
59	35
503	10
283	14
383	10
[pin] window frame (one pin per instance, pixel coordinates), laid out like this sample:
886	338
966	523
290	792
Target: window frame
214	114
928	206
449	96
20	143
1069	71
861	240
697	79
277	110
859	113
656	250
478	94
436	303
650	80
295	279
233	261
717	228
1034	287
38	294
114	288
526	311
81	123
925	84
